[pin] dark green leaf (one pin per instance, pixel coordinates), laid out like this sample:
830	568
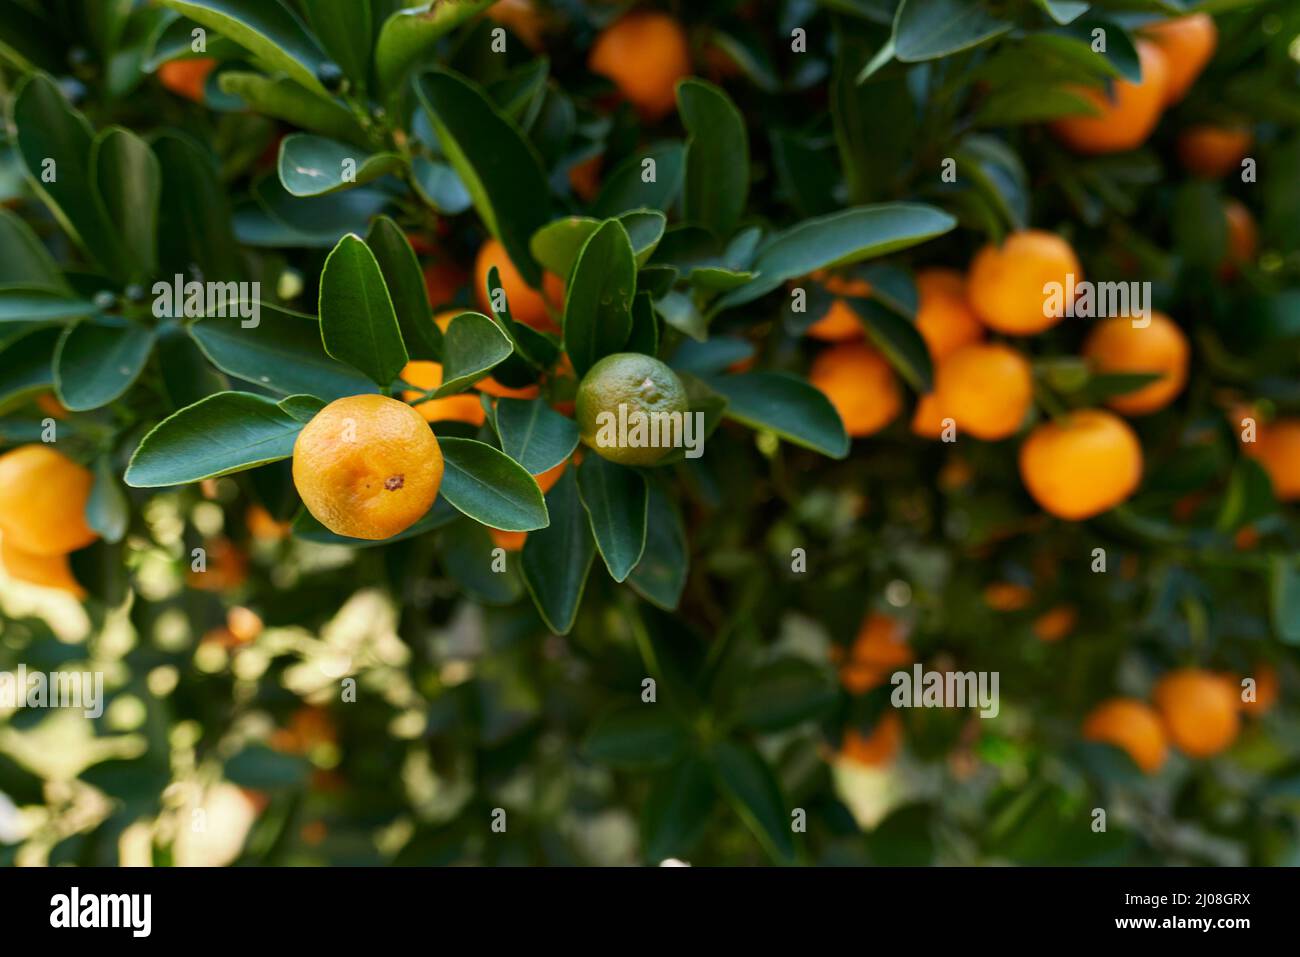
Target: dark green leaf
782	694
660	575
314	166
717	157
597	310
344	28
637	736
751	788
929	29
534	434
98	360
357	321
786	405
558	558
408	35
406	286
490	487
648	179
677	810
107	511
616	501
471	347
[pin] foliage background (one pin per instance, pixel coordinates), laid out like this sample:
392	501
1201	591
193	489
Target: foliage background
467	701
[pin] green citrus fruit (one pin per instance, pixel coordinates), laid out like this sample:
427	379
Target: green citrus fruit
632	409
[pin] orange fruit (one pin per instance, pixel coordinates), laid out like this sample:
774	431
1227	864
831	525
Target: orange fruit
944	318
225	567
878	650
1199	709
49	403
644	54
584	178
426	375
244	624
43	496
1267	689
840	323
1277	449
262	526
1125	119
1117	346
522	18
1056	623
510	541
1131	725
1007	596
443	280
367	466
1082	465
546	480
987	388
860	384
1188	43
527	305
48	571
187	78
928	418
1006	284
1213	151
1243	237
878	748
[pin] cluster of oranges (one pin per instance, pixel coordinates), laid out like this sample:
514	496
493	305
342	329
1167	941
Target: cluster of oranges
1196	710
43	496
1076	466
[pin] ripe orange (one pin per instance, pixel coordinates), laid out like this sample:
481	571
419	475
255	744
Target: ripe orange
1086	463
49	571
1277	449
262	526
1188	43
1116	346
1132	726
943	316
1007	596
987	388
584	178
527	305
644	54
879	649
840	323
187	78
49	403
1267	690
225	568
1007	283
878	748
426	375
1243	237
860	384
1056	623
1199	709
1124	121
43	497
443	279
1213	151
367	466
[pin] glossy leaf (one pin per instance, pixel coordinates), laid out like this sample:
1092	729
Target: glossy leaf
313	165
534	434
490	487
98	360
357	321
558	558
717	157
616	501
786	405
597	310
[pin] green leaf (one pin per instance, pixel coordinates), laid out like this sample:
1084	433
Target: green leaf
677	810
357	321
1248	498
314	166
129	180
679	310
224	433
28	364
266	28
107	511
24	260
660	575
344	28
195	225
1200	231
187	375
495	161
472	346
98	360
782	694
408	35
929	29
626	188
1063	11
406	287
558	558
283	352
466	553
597	309
752	790
51	132
838	239
636	737
534	434
644	337
1284	595
556	245
616	501
439	186
717	157
41	304
490	487
899	341
786	405
282	99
